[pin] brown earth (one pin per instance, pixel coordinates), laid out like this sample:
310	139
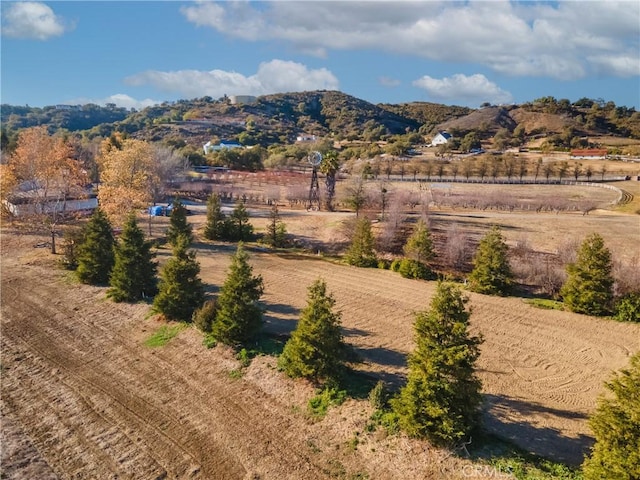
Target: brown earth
82	397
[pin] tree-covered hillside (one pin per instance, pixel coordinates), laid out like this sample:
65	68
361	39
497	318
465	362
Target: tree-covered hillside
331	115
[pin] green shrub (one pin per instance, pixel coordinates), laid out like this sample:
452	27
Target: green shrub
361	253
395	265
328	397
491	273
616	428
204	316
315	350
414	269
163	335
589	285
628	308
244	356
70	247
383	264
378	395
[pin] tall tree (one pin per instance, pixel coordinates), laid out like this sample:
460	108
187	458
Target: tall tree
180	291
167	165
329	167
441	399
360	252
316	350
237	226
357	195
276	234
419	246
491	272
178	224
616	427
45	167
215	226
8	183
95	252
589	285
418	252
238	316
134	273
127	176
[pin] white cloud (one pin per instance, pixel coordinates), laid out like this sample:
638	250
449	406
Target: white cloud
389	82
564	40
473	90
120	99
32	20
276	76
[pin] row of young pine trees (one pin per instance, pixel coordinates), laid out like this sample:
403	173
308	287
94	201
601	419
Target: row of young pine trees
441	399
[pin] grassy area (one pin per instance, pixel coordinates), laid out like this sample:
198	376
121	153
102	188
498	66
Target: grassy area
545	303
163	335
500	457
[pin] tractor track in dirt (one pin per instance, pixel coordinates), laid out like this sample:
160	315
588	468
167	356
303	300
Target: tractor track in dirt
121	411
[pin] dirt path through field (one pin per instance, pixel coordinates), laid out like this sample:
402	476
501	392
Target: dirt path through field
83	397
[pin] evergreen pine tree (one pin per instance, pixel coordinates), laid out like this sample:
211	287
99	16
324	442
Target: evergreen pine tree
616	427
419	246
215	226
276	230
361	253
237	225
589	285
315	350
441	399
418	252
134	274
178	224
95	253
180	291
238	315
491	273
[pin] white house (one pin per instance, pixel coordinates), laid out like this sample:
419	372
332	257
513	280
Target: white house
224	144
305	138
440	139
242	99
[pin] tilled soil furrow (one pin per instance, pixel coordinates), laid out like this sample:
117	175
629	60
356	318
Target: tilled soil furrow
183	444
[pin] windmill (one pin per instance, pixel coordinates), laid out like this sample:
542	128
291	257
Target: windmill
314	158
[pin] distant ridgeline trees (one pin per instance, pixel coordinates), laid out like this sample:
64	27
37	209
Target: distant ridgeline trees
68	117
277	120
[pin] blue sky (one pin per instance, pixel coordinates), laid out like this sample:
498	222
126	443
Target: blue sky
456	53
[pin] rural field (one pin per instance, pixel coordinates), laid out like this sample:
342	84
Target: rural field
83	397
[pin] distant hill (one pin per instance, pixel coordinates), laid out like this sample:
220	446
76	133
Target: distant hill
280	118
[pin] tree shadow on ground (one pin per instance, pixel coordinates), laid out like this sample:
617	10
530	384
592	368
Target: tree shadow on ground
517	421
354	332
383	356
279	318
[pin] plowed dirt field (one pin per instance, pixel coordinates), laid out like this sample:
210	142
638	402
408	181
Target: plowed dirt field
83	398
